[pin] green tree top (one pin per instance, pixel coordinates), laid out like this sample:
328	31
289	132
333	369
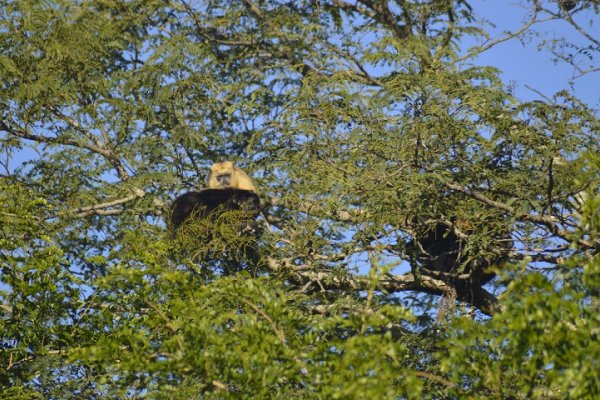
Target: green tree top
369	127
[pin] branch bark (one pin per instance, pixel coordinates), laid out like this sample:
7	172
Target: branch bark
330	280
100	209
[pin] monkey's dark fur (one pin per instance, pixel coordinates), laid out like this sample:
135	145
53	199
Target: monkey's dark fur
444	253
207	203
438	252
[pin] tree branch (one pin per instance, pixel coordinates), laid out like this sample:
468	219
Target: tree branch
582	31
533	20
547	221
98	209
385	16
96	147
330	280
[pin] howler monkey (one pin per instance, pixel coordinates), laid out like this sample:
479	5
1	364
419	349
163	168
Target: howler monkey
227	175
218	225
438	251
229	189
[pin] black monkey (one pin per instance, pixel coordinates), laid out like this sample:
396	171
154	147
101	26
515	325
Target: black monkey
209	203
439	252
218	225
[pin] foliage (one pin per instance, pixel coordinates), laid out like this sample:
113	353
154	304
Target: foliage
365	125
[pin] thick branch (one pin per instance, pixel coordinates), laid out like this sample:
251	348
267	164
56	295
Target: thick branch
329	280
385	16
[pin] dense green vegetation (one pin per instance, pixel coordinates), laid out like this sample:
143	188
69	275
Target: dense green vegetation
365	124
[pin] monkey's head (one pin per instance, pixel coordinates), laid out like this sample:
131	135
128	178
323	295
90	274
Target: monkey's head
225	175
221	174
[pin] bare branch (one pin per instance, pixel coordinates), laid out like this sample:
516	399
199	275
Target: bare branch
582	31
533	20
12	364
583	72
52	140
99	209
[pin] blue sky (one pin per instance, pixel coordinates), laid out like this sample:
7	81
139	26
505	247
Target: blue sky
524	64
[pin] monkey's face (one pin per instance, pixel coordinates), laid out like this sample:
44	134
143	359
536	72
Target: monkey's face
221	173
224	179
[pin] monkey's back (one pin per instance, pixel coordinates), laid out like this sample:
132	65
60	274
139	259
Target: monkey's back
204	203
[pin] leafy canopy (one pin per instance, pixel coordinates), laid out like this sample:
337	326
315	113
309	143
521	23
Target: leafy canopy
368	126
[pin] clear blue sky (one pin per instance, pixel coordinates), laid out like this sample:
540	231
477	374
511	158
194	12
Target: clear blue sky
524	64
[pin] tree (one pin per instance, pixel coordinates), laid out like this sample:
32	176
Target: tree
373	137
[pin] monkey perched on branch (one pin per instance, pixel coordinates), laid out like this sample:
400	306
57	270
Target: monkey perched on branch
217	225
440	250
229	189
